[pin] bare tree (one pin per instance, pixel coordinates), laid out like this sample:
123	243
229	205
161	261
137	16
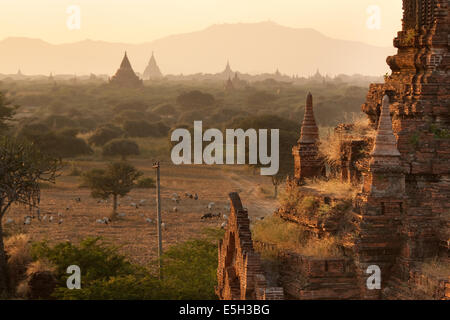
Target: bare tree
22	168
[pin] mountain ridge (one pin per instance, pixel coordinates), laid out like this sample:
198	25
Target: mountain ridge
250	47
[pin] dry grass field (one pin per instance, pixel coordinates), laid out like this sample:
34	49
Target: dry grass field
132	233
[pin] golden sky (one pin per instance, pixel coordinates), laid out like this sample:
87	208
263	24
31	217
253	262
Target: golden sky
137	21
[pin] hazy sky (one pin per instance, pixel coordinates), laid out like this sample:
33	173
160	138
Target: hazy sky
137	21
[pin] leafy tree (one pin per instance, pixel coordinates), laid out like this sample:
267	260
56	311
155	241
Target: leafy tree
95	259
108	276
22	168
104	134
59	122
260	98
61	143
138	128
165	110
194	99
131	105
117	180
121	147
6	112
142	128
146	183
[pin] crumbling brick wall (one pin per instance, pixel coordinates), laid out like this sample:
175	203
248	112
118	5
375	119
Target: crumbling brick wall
309	278
239	274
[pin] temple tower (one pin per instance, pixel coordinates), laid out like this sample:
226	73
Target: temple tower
125	76
227	73
308	164
152	71
379	207
419	90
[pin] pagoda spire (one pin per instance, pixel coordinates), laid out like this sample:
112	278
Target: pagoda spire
309	132
385	148
125	62
125	75
307	161
152	70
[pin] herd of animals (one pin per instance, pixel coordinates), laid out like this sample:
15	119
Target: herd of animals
213	212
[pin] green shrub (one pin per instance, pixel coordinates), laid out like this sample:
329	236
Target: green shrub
62	143
121	147
146	183
195	98
189	271
104	134
96	260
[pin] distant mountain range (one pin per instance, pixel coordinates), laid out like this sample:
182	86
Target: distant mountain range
250	48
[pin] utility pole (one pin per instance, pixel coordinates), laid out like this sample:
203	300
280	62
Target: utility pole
156	166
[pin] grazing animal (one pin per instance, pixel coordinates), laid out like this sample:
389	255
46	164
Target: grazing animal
27	220
60	221
78	199
216	215
60	214
211	205
9	220
191	196
195	196
207	216
223	225
149	220
175	200
227	208
44	218
225	217
102	221
67	208
143	201
163	225
175	209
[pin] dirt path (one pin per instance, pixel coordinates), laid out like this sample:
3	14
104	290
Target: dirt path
257	203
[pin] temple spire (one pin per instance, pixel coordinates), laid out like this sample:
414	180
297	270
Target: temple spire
125	62
385	142
152	71
125	76
309	132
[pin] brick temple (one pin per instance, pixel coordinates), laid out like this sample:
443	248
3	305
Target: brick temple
152	71
308	163
401	216
125	75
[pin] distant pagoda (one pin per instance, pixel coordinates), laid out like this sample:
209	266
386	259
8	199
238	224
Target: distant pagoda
152	71
227	73
125	76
